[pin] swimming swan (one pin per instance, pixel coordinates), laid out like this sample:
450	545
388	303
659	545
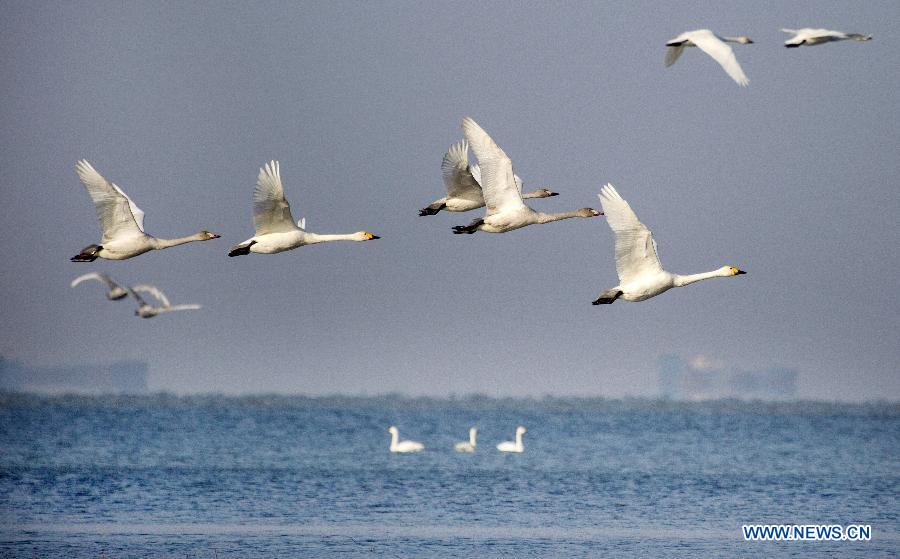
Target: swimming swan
403	446
121	222
467	446
114	290
463	186
505	210
807	36
714	46
275	228
640	274
146	310
517	446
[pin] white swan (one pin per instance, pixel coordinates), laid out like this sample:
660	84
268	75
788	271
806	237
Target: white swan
517	446
403	446
146	310
640	274
807	36
275	227
714	46
121	222
463	186
467	446
114	290
505	210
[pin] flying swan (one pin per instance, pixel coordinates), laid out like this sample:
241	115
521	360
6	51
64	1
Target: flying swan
807	36
517	446
275	227
505	210
463	184
714	46
146	310
467	446
403	446
640	274
121	222
114	290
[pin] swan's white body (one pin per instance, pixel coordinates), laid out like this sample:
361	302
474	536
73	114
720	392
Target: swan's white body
514	446
713	45
121	222
403	446
467	446
808	36
275	227
146	310
505	210
640	274
114	290
463	184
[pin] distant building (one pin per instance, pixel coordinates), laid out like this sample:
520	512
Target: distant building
124	377
703	379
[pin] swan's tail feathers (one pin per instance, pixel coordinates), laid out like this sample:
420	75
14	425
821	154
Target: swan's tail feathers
468	229
608	297
87	254
241	249
432	209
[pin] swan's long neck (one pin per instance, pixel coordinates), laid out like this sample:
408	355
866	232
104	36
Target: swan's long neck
166	243
518	439
312	238
681	281
472	437
395	438
547	218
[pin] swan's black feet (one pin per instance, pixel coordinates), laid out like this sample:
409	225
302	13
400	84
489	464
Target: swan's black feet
88	254
607	297
241	250
433	209
467	229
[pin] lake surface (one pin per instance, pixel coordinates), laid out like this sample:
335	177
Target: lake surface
272	476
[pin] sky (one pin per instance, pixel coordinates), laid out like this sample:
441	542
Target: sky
793	179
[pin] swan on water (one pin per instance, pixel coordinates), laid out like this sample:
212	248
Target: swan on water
640	274
121	222
114	290
505	210
808	36
463	185
275	227
467	446
514	446
403	446
714	46
146	310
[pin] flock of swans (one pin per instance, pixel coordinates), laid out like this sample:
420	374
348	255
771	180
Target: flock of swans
117	292
491	184
717	47
469	446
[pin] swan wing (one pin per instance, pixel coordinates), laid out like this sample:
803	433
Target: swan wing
497	178
94	276
119	217
672	54
190	307
459	179
157	294
635	247
722	53
271	211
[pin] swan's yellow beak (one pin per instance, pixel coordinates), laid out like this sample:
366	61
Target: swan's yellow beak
370	236
736	271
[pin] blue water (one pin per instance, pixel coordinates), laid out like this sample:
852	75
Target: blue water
164	476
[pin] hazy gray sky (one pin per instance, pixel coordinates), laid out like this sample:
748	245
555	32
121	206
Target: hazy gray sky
793	179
